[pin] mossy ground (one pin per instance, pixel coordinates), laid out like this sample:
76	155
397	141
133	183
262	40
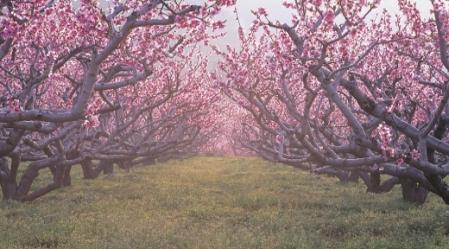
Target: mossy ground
212	202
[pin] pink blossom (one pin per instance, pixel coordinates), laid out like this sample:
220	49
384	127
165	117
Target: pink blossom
329	16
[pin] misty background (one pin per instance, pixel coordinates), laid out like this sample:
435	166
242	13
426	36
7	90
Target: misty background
277	12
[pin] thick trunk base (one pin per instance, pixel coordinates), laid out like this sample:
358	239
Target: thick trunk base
107	166
413	192
9	191
372	181
92	171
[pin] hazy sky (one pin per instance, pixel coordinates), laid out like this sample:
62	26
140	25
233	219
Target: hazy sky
277	12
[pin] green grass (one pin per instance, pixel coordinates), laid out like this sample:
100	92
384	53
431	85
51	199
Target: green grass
208	203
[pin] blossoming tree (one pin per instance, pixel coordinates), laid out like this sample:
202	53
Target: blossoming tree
336	93
92	85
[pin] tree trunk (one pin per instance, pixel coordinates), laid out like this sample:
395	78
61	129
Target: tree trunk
92	171
8	190
107	166
61	175
66	178
125	165
372	181
353	176
89	170
413	192
21	192
86	167
8	173
441	187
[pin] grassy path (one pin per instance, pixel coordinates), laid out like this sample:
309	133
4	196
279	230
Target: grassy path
211	203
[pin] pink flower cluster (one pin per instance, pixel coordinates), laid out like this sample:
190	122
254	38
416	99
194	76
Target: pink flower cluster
225	2
385	136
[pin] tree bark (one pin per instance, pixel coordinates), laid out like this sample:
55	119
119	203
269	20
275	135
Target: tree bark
89	169
373	183
353	176
107	166
92	171
8	190
413	192
66	178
